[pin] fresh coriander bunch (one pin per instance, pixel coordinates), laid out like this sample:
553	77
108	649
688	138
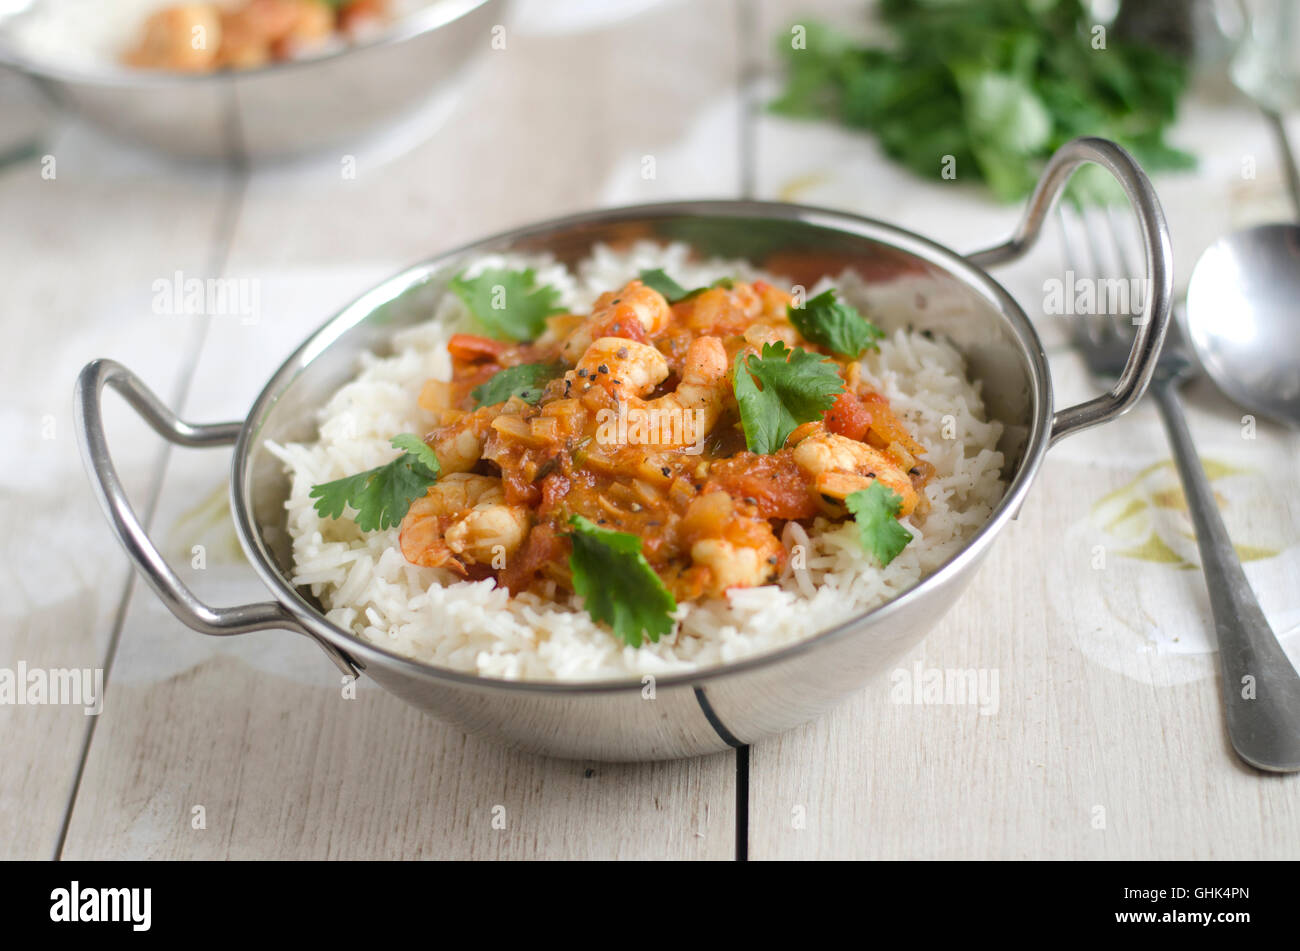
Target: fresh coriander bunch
998	85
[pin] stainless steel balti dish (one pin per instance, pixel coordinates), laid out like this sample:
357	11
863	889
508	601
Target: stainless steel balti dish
692	713
274	111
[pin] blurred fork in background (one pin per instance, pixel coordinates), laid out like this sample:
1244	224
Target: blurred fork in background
1263	725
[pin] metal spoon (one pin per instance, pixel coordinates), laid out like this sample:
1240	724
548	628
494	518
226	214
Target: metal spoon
1243	320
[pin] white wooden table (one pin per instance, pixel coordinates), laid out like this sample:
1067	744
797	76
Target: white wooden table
1107	739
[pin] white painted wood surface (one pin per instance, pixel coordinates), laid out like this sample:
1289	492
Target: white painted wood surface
1097	748
79	262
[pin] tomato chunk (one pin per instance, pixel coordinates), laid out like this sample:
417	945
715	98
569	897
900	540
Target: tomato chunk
542	547
623	324
777	487
886	428
849	417
472	348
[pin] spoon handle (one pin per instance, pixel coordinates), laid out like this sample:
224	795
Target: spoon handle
1261	690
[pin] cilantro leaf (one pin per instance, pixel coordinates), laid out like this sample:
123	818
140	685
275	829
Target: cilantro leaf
617	584
797	387
382	495
417	447
509	304
526	381
876	509
659	280
988	90
834	325
673	292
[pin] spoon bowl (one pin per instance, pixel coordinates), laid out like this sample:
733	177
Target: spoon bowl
1243	318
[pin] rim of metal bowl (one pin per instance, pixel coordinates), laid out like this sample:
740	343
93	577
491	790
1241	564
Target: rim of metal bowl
1036	442
437	14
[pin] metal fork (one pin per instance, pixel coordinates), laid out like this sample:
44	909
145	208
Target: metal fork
1262	708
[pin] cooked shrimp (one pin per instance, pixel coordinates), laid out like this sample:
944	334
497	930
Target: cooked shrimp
623	367
200	37
734	566
458	443
183	38
243	46
312	24
271	19
634	303
840	466
705	383
463	520
630	370
758	334
734	547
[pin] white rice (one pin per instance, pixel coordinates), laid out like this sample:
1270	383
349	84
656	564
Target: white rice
366	586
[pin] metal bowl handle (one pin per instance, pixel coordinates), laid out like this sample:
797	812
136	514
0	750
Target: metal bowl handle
1156	250
192	612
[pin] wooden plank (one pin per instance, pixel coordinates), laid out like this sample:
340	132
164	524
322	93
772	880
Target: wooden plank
284	770
80	266
254	729
1075	760
1106	740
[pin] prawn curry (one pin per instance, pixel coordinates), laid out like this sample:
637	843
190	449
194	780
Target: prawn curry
647	453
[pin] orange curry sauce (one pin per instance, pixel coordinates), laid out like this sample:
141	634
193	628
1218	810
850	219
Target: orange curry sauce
641	433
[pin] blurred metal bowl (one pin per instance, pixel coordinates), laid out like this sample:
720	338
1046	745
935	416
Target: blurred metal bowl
280	110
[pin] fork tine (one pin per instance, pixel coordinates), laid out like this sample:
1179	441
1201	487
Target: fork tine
1132	266
1068	249
1095	233
1075	260
1109	256
1090	252
1121	233
1082	257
